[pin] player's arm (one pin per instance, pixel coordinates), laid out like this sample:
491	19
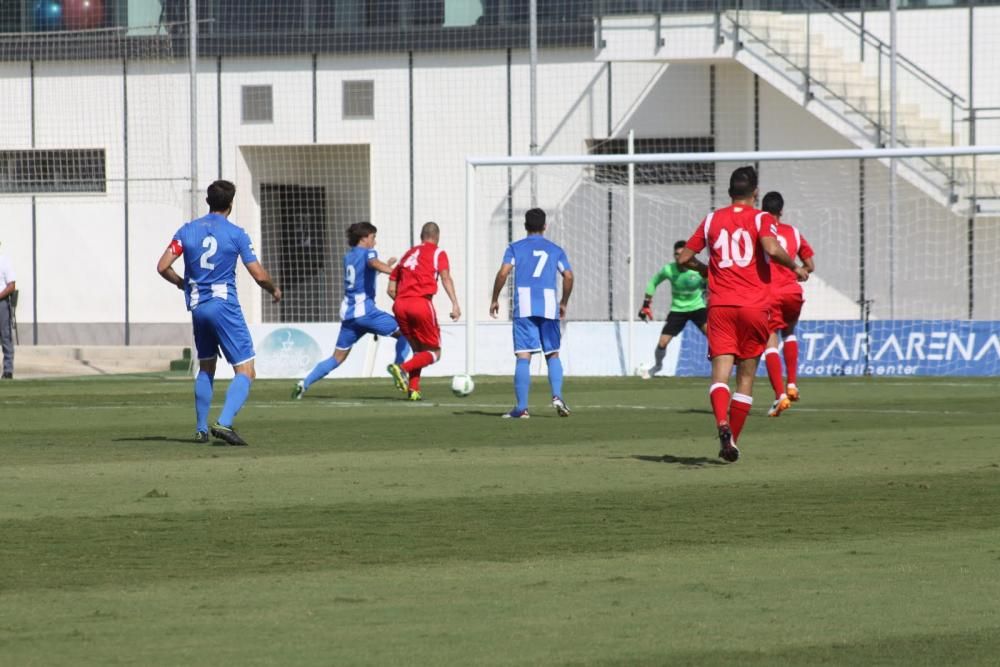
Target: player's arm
449	289
686	258
806	254
567	289
696	264
778	254
382	267
498	283
393	289
646	312
8	290
165	266
263	278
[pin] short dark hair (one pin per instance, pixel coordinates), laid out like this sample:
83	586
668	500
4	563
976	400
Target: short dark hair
743	182
773	203
358	231
534	220
430	230
220	196
679	245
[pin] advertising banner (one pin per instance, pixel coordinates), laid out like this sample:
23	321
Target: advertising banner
879	348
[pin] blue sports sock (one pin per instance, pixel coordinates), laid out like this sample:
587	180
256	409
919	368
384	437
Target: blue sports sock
402	350
322	369
555	376
202	399
236	396
522	382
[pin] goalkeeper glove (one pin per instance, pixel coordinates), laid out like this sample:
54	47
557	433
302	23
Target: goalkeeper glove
646	312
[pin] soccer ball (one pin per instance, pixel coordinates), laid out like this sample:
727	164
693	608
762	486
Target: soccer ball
462	385
642	371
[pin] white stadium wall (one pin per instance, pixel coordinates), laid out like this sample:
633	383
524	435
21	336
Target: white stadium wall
459	109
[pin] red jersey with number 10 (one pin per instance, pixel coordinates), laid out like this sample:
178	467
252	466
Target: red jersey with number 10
739	273
784	280
417	272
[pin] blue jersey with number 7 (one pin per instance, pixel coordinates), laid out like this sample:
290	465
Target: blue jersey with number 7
537	262
211	245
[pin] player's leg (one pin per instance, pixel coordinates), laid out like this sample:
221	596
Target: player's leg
426	339
793	310
791	351
7	338
772	361
723	348
659	352
739	408
206	346
527	341
551	337
402	347
416	372
722	351
673	326
403	317
754	330
700	319
346	338
237	346
719	396
204	386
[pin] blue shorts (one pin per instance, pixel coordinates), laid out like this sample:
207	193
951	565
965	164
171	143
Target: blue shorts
377	322
536	334
219	323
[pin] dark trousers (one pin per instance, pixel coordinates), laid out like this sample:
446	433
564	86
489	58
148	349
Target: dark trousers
7	336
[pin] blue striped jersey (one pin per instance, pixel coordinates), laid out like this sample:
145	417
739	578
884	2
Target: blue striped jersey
211	245
537	263
359	283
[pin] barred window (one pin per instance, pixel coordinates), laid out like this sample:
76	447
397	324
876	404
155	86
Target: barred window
46	171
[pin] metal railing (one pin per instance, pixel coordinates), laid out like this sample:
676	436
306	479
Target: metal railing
811	80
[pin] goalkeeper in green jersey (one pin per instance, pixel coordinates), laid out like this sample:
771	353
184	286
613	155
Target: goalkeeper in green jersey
688	304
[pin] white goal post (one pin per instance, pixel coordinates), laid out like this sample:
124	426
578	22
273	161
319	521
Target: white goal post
949	178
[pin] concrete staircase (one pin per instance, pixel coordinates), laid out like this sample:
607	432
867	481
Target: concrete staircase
68	360
833	83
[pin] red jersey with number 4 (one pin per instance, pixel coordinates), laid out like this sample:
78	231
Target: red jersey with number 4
784	280
416	275
739	273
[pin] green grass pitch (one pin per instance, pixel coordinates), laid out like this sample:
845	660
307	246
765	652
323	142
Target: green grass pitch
861	527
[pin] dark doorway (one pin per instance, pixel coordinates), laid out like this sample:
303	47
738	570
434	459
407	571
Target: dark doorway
297	252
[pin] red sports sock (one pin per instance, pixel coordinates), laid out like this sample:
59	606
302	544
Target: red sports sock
792	358
718	393
739	409
418	361
415	380
773	362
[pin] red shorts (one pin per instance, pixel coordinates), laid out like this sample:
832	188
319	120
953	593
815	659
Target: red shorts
737	330
785	310
418	321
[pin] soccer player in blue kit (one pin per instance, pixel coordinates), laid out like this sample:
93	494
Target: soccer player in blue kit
358	313
536	263
210	246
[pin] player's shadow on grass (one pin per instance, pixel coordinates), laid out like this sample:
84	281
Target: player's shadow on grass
695	461
155	438
495	414
696	411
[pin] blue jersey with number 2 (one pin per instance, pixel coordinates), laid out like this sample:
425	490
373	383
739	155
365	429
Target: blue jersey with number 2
537	264
211	245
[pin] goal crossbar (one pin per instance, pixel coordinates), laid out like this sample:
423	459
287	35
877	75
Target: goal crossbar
737	156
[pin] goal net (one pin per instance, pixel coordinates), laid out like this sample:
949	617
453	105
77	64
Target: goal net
906	281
